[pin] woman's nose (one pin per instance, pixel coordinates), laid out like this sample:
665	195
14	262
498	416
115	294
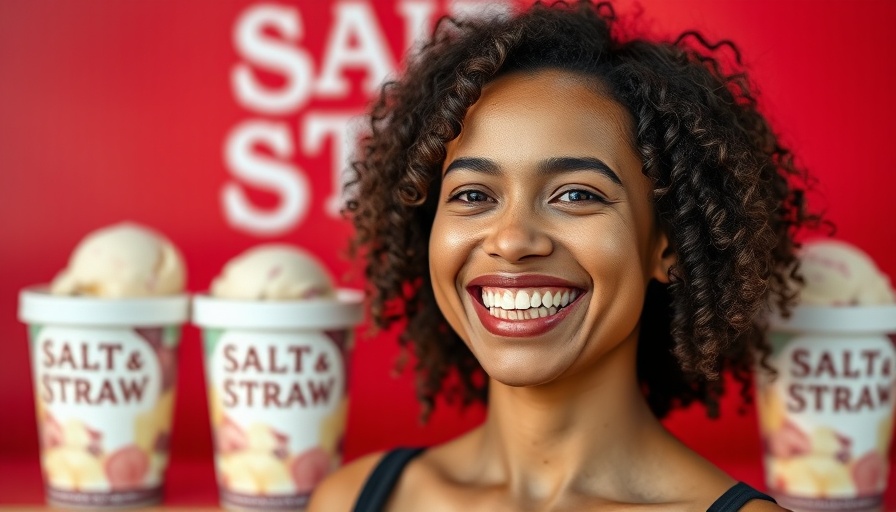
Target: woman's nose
516	236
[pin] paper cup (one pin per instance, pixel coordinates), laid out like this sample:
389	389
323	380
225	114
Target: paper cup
276	375
104	373
826	419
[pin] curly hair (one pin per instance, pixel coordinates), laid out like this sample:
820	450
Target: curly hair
726	191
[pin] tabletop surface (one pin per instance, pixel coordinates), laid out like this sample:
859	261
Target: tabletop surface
190	484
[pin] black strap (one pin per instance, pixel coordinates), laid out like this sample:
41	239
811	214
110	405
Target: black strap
382	479
736	497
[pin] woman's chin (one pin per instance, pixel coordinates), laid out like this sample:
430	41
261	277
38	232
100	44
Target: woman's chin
519	371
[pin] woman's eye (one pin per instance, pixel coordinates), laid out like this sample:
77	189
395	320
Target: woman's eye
470	196
574	196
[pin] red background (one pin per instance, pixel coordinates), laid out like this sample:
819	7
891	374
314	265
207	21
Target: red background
116	110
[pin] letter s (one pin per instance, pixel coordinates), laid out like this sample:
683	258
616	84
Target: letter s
47	347
797	402
264	172
252	43
800	360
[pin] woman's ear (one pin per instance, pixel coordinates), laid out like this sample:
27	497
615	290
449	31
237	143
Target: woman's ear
664	258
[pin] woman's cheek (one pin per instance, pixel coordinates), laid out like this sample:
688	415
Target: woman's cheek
449	249
611	255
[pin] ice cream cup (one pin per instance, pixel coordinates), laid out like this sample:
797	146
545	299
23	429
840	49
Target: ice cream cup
276	375
104	374
826	418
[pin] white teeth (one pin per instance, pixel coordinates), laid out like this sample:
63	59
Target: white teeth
507	301
522	300
536	300
524	314
519	304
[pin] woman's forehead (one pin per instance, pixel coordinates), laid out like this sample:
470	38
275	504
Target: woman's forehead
524	117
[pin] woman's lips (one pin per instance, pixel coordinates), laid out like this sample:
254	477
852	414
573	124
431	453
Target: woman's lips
513	322
520	328
520	281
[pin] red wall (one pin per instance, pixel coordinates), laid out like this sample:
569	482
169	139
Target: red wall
116	110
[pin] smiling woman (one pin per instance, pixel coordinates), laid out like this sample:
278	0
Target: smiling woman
562	210
581	228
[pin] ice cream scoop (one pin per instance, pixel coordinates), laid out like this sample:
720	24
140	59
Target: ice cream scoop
122	260
839	274
273	272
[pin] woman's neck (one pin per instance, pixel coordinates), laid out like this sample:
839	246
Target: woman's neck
581	432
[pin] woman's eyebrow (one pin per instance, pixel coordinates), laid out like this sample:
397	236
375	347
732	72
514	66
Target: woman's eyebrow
569	163
482	165
548	166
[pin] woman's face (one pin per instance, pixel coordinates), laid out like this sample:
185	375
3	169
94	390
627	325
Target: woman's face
544	239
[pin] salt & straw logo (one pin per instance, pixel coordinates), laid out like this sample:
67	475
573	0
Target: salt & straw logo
274	398
277	378
93	386
277	77
849	379
355	42
312	378
79	370
85	357
826	419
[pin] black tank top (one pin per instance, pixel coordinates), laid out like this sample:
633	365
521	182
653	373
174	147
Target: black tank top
385	475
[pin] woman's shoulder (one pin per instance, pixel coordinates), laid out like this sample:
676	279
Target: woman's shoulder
339	491
690	480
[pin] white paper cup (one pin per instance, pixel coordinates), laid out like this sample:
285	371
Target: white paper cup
826	420
276	376
104	377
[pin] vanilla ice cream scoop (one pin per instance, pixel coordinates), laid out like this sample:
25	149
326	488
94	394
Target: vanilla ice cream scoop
273	272
122	260
839	274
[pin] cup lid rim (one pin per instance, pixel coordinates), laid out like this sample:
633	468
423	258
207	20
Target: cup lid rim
321	313
837	319
38	306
